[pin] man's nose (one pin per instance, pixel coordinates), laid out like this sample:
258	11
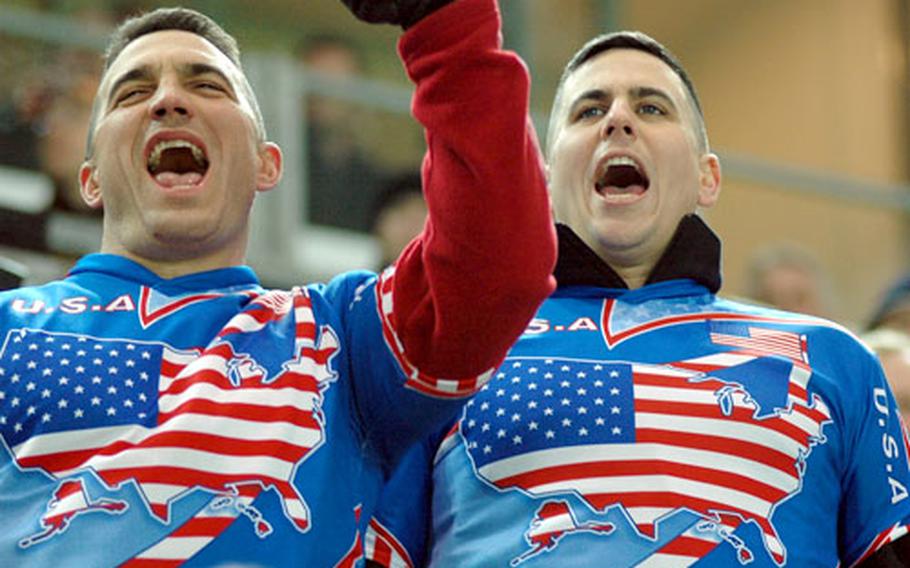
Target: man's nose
169	104
619	122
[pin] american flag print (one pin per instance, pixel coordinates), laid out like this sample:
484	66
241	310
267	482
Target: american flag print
171	421
652	439
760	340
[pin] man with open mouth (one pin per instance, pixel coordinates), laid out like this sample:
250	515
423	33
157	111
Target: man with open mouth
158	406
641	420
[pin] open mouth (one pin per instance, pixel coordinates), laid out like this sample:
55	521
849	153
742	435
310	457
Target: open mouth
621	175
177	162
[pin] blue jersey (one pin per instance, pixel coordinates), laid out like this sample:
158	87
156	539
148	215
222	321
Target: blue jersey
192	418
662	426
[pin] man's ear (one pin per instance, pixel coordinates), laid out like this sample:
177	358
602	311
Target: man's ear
270	166
89	187
708	180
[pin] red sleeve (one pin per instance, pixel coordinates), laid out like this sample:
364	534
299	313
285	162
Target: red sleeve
465	289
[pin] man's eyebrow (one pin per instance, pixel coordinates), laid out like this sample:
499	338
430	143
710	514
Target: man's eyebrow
598	95
197	69
646	92
142	73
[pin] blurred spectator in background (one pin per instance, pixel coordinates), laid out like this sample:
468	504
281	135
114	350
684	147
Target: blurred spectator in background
343	181
26	196
42	134
893	311
62	141
893	350
21	116
399	214
789	277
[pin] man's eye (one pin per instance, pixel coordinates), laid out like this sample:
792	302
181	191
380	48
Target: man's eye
649	108
590	112
209	86
128	94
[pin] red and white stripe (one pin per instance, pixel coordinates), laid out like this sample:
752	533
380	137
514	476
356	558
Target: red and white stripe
554	519
684	550
417	380
268	307
273	306
304	321
382	547
190	538
69	499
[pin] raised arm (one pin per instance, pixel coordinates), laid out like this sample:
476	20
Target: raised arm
464	290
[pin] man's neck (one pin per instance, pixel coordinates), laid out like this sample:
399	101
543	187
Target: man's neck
175	263
632	267
633	276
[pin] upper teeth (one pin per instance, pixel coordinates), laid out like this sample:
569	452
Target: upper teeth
621	161
155	156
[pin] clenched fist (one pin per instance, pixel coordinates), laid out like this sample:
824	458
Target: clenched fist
404	13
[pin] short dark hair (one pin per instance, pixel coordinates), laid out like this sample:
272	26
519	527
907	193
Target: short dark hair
174	19
628	40
165	19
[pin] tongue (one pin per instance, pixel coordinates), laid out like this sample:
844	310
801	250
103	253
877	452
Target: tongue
173	179
622	180
634	189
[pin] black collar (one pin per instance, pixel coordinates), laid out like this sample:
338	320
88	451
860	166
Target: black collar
694	252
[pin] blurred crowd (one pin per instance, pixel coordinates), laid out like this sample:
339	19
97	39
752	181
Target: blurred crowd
43	125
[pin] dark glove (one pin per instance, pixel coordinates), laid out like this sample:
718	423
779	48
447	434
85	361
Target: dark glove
404	13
